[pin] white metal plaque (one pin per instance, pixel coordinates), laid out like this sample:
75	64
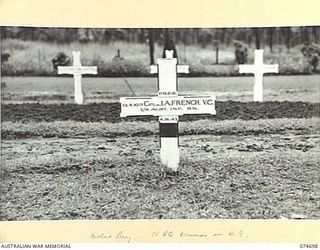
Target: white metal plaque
167	106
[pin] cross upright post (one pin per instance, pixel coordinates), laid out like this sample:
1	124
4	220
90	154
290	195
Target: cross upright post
258	69
167	70
168	105
77	70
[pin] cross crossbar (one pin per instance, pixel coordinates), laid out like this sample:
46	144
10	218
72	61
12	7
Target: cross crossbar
77	70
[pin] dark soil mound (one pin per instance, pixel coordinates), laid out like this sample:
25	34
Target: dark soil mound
110	112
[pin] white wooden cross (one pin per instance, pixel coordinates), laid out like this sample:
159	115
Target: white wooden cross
168	106
77	70
258	69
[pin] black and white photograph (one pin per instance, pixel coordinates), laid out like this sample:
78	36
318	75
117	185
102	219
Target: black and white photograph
160	123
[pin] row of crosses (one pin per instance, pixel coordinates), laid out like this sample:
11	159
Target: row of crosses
168	105
258	69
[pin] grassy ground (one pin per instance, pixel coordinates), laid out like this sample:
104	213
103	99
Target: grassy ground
67	161
234	169
49	90
71	129
34	58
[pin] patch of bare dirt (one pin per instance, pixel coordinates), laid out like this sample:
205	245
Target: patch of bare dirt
110	112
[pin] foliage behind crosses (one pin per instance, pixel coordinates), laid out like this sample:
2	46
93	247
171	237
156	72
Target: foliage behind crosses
60	60
169	44
288	36
32	49
4	57
241	53
312	54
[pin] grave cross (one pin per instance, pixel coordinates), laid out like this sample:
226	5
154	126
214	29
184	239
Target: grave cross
168	106
77	70
258	69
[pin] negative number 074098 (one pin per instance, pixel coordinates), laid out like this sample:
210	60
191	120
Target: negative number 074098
312	246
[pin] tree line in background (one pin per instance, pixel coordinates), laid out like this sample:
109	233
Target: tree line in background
220	38
259	37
